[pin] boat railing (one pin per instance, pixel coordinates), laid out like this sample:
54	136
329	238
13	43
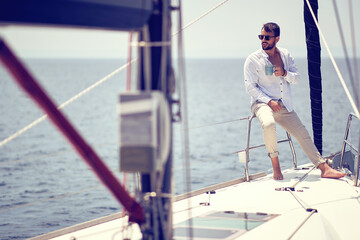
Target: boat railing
245	153
346	142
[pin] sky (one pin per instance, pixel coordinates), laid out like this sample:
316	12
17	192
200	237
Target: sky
228	32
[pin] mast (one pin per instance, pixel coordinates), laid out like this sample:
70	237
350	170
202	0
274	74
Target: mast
314	71
155	74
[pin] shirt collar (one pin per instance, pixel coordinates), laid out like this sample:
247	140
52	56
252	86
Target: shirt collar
262	51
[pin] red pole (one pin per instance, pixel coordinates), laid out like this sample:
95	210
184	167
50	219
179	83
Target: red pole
30	85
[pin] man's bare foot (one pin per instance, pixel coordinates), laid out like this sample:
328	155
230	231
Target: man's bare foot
328	172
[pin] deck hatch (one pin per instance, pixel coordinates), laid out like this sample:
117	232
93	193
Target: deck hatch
221	225
203	233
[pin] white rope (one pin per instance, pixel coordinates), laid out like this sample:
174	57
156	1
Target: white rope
302	203
301	224
202	16
39	120
334	63
21	131
107	77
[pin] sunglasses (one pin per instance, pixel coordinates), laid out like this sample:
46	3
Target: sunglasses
267	38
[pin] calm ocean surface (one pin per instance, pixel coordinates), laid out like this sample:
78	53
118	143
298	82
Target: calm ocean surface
45	186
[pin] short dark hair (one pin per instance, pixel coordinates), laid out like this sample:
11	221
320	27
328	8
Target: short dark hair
272	27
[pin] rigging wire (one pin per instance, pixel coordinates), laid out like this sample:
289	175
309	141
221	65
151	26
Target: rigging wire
183	106
347	59
184	135
354	83
352	27
201	16
348	94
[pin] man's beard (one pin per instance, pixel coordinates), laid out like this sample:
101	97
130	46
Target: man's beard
268	47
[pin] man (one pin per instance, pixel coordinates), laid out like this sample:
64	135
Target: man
268	74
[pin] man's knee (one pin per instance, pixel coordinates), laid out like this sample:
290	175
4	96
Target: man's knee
268	125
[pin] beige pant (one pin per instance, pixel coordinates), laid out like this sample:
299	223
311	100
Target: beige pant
291	123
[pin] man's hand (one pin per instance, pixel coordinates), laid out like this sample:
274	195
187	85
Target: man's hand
279	71
275	106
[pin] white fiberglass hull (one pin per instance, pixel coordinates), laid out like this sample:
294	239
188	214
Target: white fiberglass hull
316	208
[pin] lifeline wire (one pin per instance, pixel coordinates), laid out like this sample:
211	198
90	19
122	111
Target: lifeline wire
348	94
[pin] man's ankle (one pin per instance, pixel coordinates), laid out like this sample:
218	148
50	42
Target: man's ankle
322	166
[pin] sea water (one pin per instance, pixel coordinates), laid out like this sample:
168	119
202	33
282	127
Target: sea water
45	185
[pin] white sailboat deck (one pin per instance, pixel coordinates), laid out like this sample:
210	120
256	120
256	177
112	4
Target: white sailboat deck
317	208
336	203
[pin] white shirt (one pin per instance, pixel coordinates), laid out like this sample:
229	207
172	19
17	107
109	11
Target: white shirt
262	87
